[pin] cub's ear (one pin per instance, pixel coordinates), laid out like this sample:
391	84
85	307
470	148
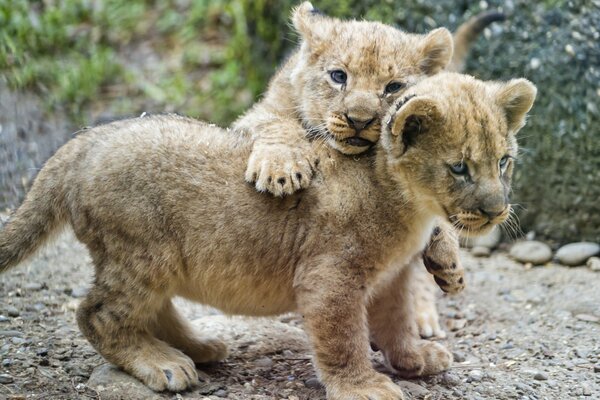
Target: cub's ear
436	51
516	98
414	116
311	24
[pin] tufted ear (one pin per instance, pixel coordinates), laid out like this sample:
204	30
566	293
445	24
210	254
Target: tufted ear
415	115
516	98
314	27
436	51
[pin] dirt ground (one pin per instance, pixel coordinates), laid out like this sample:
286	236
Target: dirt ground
518	333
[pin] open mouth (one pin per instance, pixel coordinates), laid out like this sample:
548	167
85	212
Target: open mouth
358	142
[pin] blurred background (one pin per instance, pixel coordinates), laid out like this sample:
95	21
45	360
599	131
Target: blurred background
65	64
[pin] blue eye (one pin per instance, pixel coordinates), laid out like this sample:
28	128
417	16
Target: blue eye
338	76
393	87
459	168
503	161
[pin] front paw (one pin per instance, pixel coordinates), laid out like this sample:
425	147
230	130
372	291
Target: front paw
378	387
448	274
422	358
280	169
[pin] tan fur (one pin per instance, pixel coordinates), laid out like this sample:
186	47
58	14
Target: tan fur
161	205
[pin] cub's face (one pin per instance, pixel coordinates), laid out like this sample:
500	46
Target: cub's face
452	142
350	72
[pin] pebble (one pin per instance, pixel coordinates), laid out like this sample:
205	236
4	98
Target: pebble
535	63
481	251
540	376
475	376
456	324
264	362
4	319
79	292
33	286
221	393
416	391
593	263
459	356
577	253
587	318
12	311
11	334
6	378
597	368
531	251
313	383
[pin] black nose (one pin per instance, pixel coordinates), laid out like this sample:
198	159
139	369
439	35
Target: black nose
491	214
359	124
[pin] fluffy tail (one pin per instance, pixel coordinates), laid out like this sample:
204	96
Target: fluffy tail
39	216
467	33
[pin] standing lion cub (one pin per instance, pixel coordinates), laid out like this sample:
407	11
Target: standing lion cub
161	205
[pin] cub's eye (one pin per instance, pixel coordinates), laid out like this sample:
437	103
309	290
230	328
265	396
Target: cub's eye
338	76
504	162
459	168
393	87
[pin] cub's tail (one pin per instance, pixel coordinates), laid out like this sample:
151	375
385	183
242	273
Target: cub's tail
41	214
467	33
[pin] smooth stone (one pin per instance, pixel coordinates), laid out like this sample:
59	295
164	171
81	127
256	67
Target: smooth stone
114	384
313	383
12	311
531	251
481	251
11	334
6	378
540	376
475	376
593	263
264	362
577	253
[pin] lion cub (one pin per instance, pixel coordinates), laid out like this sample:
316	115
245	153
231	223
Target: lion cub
162	208
337	87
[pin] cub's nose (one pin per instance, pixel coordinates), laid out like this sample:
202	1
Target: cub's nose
359	123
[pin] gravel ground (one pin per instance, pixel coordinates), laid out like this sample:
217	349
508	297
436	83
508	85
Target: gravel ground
516	333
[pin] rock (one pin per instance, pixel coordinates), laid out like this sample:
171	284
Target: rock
587	318
113	384
489	240
577	253
416	391
313	383
531	251
264	362
221	393
6	378
33	286
540	376
79	292
458	356
4	319
597	368
12	311
475	376
11	334
481	251
593	263
456	324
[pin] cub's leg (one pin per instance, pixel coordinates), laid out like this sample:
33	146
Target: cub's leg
331	297
117	316
171	327
424	289
442	259
393	330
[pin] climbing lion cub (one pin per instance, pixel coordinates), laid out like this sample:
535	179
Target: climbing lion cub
337	87
161	205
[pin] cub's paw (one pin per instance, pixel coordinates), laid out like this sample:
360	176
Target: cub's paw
421	359
442	260
281	169
428	322
380	387
164	369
